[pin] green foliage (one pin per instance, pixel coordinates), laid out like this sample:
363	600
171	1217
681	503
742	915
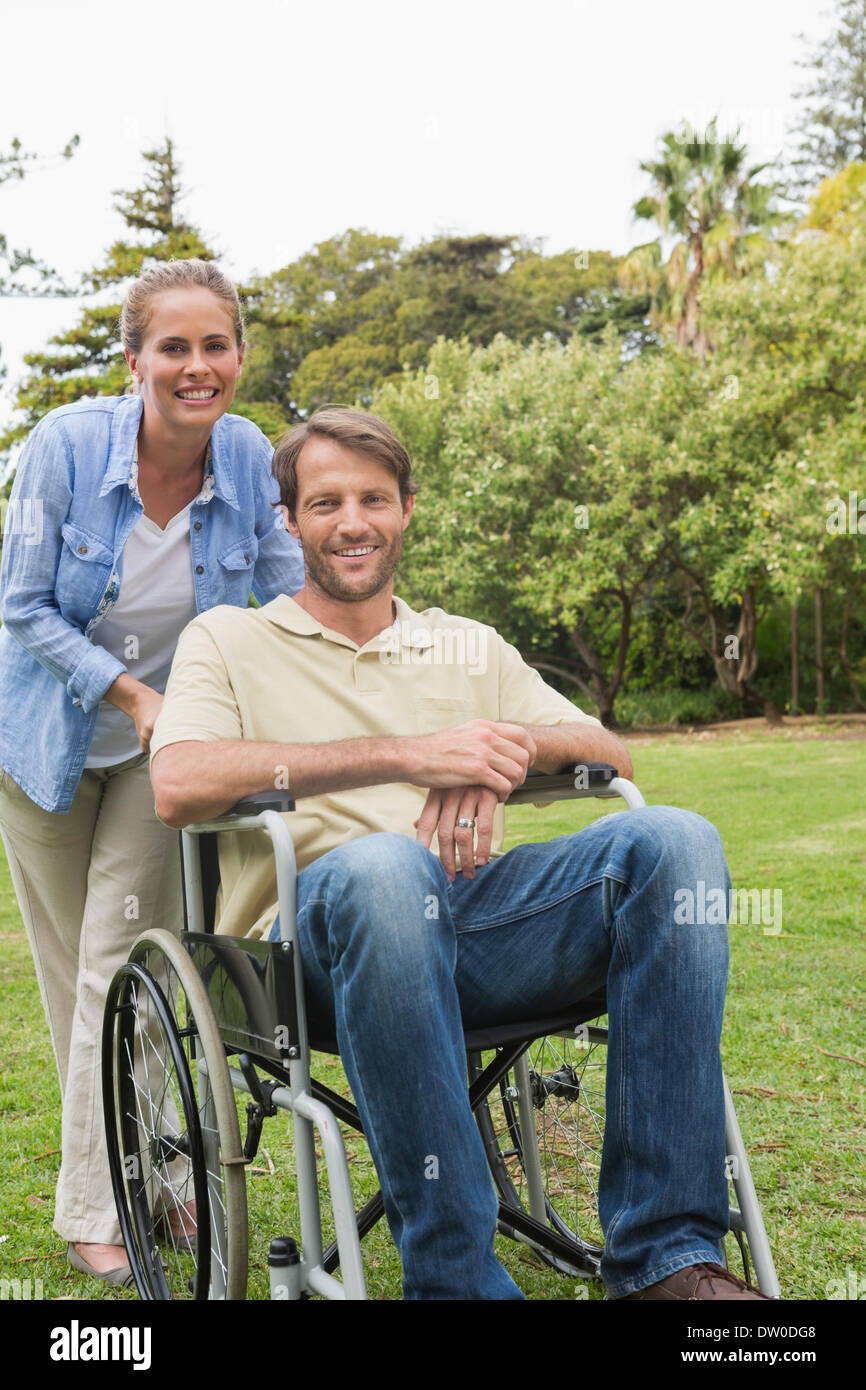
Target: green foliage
832	125
359	309
87	360
707	485
513	444
706	195
673	705
266	414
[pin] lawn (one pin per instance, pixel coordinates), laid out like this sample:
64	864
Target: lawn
792	817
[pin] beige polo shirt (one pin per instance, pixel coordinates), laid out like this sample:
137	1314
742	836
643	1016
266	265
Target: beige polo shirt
275	674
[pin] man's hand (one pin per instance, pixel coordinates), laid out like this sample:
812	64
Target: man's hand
442	810
479	754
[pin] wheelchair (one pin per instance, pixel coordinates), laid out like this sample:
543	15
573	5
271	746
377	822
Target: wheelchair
190	1021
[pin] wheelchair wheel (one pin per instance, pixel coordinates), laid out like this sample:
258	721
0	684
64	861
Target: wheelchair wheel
172	1127
544	1129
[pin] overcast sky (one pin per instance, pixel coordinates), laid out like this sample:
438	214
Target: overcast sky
294	121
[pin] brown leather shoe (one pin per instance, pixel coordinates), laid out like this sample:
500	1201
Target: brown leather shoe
698	1282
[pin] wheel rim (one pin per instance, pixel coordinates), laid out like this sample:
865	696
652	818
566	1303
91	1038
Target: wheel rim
566	1102
158	1152
194	1090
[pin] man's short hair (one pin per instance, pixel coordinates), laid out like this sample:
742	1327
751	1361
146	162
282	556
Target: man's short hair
354	429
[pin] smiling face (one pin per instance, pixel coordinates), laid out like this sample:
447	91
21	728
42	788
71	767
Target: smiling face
189	363
350	520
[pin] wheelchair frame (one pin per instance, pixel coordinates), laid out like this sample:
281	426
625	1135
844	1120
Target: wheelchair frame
263	976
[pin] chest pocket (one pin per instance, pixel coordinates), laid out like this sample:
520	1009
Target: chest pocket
83	572
241	556
235	575
435	712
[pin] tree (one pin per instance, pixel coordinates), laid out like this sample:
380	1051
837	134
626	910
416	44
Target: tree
333	309
791	344
87	360
832	127
16	164
705	194
837	205
358	310
529	517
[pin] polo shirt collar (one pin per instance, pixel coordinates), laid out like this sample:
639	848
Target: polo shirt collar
410	629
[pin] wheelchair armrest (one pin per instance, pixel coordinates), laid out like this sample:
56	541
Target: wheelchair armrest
260	801
574	781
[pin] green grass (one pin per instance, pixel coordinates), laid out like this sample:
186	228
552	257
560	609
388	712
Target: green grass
792	816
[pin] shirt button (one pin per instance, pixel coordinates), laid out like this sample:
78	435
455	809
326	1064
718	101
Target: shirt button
199	569
246	559
82	550
197	526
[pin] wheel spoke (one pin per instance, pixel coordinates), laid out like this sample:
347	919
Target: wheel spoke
183	1213
567	1090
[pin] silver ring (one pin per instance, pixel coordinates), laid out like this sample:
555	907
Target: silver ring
465	823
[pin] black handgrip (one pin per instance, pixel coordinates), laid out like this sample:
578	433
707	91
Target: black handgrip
261	801
598	772
575	780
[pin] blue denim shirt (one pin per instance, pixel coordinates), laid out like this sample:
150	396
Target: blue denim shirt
74	502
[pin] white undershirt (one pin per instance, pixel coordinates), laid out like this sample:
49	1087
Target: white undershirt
155	603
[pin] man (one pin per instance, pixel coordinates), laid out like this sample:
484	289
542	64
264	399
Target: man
398	732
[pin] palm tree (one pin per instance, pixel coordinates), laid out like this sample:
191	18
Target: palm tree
705	194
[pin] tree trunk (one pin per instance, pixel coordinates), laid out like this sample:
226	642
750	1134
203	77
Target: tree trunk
604	685
689	332
795	659
843	654
734	672
819	651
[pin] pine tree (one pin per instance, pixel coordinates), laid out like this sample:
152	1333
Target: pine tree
88	360
832	127
40	279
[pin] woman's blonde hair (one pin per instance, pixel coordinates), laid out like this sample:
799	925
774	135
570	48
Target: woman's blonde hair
173	275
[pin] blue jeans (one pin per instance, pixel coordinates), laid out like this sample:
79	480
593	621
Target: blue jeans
397	960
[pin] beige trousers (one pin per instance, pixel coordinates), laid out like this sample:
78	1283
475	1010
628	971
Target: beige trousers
88	882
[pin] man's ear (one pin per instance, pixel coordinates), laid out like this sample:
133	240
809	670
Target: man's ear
290	523
408	510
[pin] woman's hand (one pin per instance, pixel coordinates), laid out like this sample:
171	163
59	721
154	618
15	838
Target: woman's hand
442	810
140	702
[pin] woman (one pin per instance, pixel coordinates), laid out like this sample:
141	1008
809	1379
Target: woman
143	510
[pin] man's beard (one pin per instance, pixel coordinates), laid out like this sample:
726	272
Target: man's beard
322	573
